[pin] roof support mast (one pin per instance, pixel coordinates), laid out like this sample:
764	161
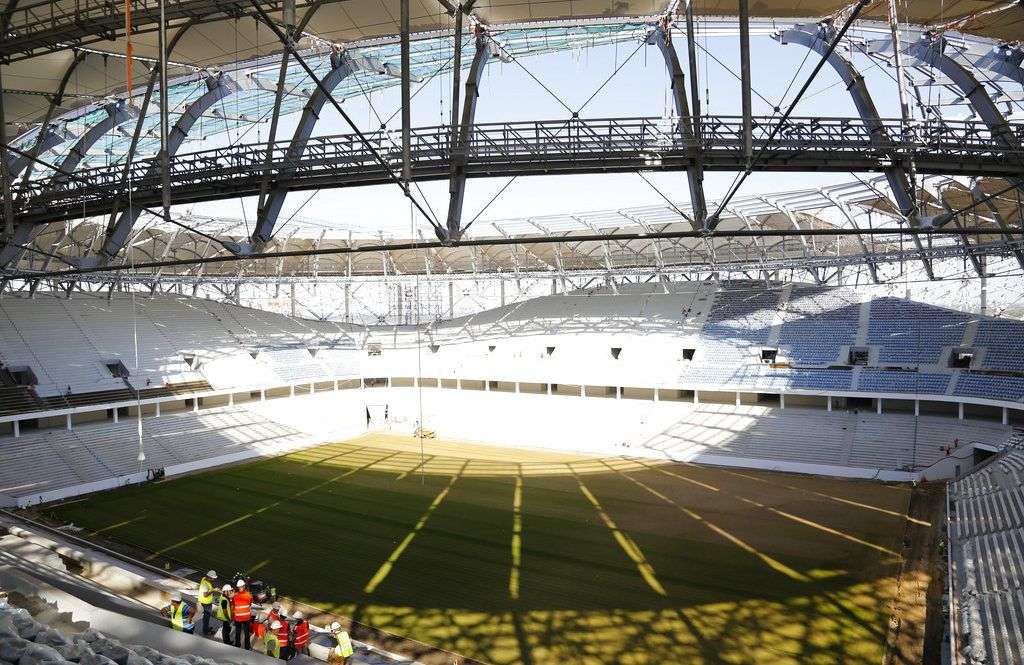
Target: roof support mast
748	123
5	176
700	211
661	36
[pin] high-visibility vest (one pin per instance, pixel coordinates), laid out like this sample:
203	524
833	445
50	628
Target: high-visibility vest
205	592
271	644
241	606
223	612
344	648
282	634
179	617
301	636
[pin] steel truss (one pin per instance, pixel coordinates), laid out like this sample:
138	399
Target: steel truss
533	148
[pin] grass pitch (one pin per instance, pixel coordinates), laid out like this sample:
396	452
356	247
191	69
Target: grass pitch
511	556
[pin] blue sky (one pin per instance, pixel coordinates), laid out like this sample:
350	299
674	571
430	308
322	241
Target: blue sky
640	88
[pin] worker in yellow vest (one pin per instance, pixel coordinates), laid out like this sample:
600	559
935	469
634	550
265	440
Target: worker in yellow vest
206	587
271	645
223	612
181	614
343	650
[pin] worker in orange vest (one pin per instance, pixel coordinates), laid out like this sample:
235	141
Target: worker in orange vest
241	614
300	635
283	631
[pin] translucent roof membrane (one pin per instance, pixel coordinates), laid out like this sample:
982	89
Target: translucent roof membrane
237	113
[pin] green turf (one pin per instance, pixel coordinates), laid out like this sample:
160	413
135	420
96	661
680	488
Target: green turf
671	565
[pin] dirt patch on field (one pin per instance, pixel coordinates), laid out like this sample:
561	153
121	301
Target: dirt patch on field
915	630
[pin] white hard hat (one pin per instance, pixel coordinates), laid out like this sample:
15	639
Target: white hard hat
275	625
226	588
212	574
300	615
240	583
335	626
276	606
176	597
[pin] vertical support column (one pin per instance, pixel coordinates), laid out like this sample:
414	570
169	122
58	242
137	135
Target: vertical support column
829	405
917	407
292	390
549	389
113	410
67	420
5	174
17	426
165	159
1006	416
696	396
737	399
231	399
456	76
195	405
782	401
406	96
618	392
879	405
960	410
263	394
699	213
157	409
583	391
657	394
748	123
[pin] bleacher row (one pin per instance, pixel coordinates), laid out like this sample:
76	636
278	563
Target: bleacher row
96	452
864	440
185	341
987	548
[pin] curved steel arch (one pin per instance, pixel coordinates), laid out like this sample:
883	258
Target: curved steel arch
817	37
342	66
661	37
117	113
460	151
931	50
218	87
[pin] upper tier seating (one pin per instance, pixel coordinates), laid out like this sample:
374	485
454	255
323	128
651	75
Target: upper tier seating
86	345
910	333
817	322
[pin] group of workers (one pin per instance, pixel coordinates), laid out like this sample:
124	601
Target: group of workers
277	634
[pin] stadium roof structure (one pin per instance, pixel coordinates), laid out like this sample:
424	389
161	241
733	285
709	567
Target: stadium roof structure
88	139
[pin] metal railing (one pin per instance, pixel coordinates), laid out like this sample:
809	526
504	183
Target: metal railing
543	146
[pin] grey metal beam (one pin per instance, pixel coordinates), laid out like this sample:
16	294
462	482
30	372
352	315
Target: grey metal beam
985	200
661	36
745	94
931	50
129	158
817	38
218	87
24	233
279	93
55	100
460	149
699	212
342	66
406	91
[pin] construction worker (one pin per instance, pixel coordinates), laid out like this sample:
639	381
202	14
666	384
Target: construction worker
241	614
181	614
340	654
283	633
300	635
223	612
270	643
206	586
